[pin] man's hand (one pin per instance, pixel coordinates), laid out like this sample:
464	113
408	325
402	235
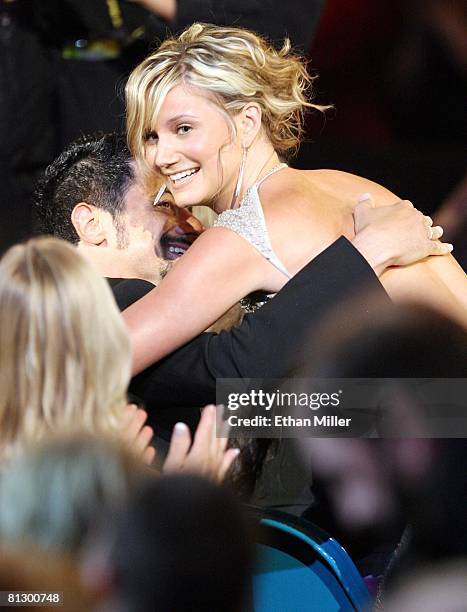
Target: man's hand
206	456
396	235
136	435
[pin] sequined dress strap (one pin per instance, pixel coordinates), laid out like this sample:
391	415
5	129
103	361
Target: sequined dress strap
248	222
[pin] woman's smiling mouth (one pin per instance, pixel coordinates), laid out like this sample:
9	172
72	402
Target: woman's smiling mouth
179	178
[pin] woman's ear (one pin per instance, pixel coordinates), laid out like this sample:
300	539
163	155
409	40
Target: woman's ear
86	221
251	116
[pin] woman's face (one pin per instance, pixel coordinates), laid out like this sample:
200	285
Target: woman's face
192	145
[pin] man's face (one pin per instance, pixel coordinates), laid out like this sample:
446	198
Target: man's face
149	233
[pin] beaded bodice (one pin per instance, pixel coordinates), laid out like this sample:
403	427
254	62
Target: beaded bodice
248	222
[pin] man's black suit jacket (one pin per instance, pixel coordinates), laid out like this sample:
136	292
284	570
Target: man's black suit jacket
267	342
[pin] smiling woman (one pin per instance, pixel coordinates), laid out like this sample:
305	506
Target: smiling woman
215	112
198	168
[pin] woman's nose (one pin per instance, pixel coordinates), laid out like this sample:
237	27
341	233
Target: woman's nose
165	155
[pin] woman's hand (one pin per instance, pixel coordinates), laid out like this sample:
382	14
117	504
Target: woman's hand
396	235
206	456
136	435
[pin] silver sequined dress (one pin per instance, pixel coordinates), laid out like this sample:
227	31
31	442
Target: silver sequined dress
248	222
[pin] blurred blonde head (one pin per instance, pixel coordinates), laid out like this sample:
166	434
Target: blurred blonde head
55	493
65	355
233	67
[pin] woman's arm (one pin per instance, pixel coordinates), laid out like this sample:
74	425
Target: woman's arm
217	271
437	281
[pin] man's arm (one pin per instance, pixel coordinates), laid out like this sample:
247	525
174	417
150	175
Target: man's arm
128	291
266	343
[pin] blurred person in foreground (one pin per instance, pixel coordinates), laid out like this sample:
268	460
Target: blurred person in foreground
371	489
55	493
65	359
68	493
440	586
181	543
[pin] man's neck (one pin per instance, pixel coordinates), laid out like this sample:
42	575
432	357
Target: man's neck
114	263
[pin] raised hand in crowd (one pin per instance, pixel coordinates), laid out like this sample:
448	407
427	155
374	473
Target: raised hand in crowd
136	435
207	455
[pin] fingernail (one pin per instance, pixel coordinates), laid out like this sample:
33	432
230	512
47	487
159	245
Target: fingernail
180	428
364	197
450	247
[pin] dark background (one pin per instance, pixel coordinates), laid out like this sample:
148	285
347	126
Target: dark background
393	71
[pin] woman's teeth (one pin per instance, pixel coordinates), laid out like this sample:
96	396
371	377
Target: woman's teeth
181	175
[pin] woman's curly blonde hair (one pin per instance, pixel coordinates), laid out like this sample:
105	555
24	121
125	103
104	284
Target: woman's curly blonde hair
234	66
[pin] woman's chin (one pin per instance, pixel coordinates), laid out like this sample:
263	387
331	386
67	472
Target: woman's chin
192	198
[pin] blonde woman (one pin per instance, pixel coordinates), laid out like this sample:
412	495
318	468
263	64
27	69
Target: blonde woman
215	111
65	361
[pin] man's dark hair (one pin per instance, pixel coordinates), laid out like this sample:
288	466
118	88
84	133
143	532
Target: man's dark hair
95	169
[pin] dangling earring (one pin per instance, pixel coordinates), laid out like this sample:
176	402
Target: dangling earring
241	171
159	195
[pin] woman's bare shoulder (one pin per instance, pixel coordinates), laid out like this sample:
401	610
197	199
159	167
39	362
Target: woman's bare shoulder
322	189
292	194
345	185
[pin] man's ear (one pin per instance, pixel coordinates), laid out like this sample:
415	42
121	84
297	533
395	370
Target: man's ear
87	223
251	122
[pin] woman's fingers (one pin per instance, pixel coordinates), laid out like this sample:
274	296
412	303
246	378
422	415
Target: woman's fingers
136	435
142	440
149	455
133	422
228	458
206	425
214	457
207	456
178	450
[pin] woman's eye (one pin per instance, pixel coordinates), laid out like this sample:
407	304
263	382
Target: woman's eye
151	136
183	129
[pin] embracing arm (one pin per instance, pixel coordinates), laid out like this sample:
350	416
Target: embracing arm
217	271
265	344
